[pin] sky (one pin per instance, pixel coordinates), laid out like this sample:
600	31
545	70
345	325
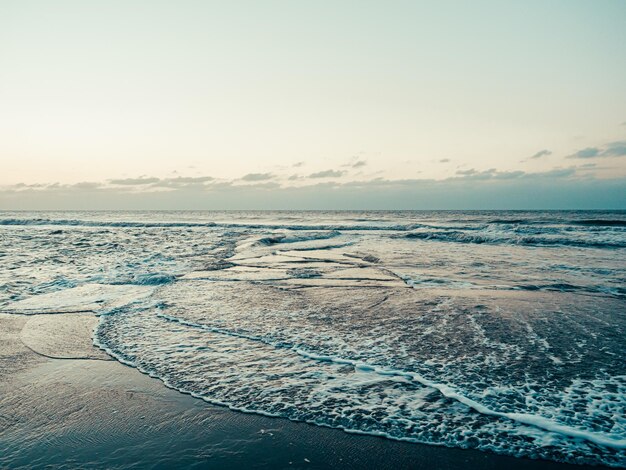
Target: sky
149	104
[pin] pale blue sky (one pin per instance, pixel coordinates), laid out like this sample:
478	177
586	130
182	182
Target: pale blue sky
294	93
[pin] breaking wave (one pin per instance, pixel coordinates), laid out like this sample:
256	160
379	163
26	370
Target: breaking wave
269	226
459	236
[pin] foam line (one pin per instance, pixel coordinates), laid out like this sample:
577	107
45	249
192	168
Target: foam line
446	390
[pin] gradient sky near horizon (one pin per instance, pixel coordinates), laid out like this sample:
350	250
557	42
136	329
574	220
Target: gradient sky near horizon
298	93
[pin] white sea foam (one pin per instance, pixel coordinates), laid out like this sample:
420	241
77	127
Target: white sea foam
446	390
302	389
86	298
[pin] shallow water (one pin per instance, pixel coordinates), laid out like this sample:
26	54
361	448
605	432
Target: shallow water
500	331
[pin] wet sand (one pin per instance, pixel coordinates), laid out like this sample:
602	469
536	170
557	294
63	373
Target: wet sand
65	404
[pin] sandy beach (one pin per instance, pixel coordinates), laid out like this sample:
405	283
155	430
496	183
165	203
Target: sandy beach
65	404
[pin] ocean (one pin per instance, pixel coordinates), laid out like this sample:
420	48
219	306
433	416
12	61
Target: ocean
501	331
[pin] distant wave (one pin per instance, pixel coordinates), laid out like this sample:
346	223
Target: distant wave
565	287
601	222
131	224
429	282
326	227
466	224
97	223
153	279
557	286
586	222
459	236
509	221
283	238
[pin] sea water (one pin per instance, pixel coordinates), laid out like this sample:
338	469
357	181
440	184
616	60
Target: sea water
498	331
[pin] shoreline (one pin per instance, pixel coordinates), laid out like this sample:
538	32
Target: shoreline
97	412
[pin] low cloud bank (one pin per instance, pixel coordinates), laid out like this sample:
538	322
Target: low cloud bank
468	189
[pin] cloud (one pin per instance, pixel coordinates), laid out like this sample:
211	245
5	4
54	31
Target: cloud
183	181
258	177
87	185
493	174
559	188
615	149
612	149
469	172
134	181
298	164
260	186
355	164
190	179
488	174
327	174
153	183
589	152
444	160
541	153
508	175
555	173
